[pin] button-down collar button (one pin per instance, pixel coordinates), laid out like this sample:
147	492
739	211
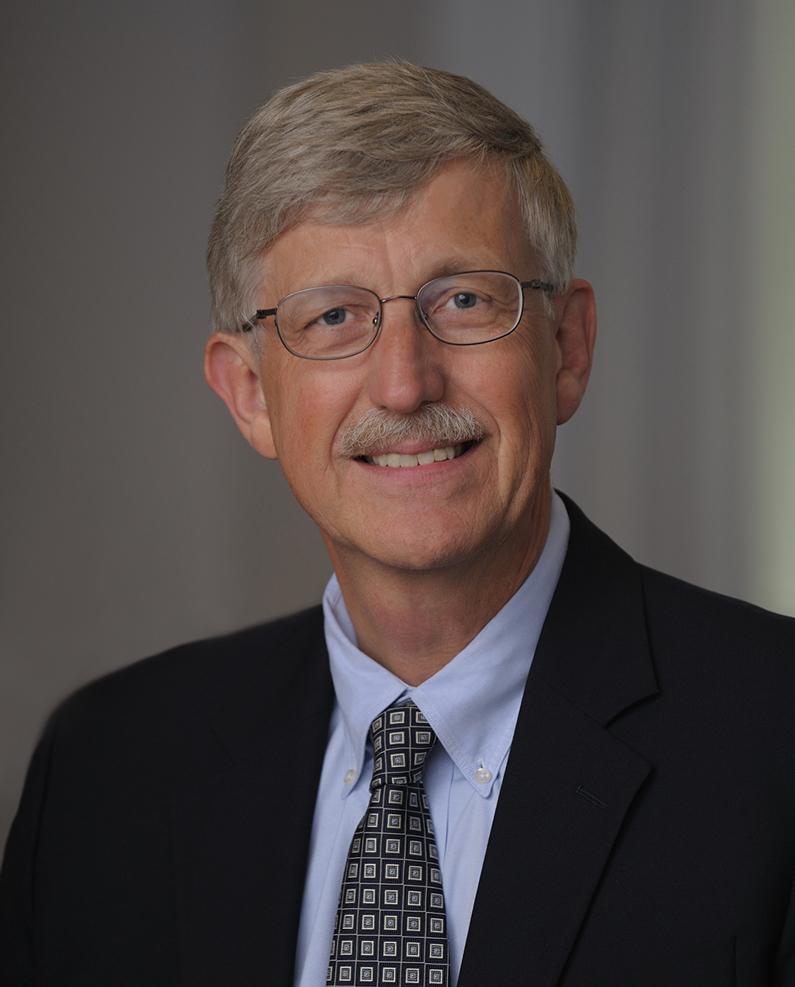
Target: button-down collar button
350	775
482	774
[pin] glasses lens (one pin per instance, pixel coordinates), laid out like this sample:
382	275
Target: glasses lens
471	308
328	323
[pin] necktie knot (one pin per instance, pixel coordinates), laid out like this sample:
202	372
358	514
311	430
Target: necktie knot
402	739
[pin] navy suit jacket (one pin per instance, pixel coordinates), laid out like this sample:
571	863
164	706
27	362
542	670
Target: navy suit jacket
644	837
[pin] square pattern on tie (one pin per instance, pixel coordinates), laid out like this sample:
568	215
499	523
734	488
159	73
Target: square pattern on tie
390	926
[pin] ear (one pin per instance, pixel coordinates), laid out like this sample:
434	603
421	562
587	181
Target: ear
232	371
575	337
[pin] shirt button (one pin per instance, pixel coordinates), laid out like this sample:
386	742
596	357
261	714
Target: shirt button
482	774
350	775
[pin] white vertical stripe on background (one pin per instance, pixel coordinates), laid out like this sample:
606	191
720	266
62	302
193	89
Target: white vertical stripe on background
773	327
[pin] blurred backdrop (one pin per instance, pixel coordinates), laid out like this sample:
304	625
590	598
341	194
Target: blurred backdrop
135	517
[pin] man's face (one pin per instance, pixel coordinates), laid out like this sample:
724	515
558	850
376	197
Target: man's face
481	504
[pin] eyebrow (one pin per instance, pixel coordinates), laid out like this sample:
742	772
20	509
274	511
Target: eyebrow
440	269
458	265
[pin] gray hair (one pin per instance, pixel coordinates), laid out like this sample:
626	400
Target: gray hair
347	145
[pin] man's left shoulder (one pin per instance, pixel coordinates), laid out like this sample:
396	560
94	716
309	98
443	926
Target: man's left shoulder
738	658
634	606
712	619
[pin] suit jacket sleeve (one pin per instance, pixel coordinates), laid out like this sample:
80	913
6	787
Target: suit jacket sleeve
17	876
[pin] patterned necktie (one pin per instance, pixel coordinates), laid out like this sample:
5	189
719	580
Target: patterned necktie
391	926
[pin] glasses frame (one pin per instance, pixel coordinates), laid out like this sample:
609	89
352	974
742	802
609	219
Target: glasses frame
536	284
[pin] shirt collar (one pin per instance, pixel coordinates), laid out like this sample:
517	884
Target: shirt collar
473	702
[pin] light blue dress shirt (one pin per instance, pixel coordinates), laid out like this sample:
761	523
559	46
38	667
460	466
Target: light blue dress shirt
472	704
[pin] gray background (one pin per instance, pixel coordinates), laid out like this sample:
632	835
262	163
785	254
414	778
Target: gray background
135	517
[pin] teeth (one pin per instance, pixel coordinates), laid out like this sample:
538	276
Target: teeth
421	459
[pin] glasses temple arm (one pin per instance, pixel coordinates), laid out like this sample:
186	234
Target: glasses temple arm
261	313
538	285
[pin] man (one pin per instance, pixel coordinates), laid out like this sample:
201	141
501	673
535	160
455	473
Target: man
503	753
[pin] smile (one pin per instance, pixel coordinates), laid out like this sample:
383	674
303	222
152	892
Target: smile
439	455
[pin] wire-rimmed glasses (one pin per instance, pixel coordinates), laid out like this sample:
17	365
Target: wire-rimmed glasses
337	321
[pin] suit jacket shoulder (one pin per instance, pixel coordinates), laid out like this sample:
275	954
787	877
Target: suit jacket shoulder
137	855
164	703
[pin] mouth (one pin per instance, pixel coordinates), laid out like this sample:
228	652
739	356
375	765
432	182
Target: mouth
401	460
433	434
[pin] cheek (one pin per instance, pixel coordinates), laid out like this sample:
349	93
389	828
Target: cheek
518	388
307	402
287	399
536	373
527	420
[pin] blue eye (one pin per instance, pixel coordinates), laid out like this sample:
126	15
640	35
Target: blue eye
334	317
465	299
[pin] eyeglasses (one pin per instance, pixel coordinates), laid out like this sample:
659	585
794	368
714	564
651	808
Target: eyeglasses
338	321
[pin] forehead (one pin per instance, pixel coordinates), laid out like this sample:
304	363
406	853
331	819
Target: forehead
466	218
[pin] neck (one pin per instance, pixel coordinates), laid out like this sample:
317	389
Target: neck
413	622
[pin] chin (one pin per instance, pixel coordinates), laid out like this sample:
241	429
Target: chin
418	554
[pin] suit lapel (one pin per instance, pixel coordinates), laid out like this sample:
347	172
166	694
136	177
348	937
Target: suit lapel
569	782
241	835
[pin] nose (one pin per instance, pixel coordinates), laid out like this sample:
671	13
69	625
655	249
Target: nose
406	362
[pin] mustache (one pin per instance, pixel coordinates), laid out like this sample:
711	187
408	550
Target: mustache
437	424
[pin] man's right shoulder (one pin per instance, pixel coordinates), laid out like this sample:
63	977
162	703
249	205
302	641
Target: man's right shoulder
162	705
215	664
122	766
